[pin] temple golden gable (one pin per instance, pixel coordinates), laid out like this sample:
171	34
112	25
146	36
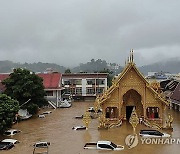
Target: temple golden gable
130	89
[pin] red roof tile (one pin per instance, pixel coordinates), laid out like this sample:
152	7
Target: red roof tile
51	80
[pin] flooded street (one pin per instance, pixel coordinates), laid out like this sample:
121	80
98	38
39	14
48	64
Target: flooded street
56	128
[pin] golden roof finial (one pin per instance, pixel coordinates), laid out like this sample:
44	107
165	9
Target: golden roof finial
132	55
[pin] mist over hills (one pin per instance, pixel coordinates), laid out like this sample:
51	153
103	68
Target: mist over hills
8	66
171	66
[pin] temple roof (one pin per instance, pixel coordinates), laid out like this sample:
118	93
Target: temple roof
116	81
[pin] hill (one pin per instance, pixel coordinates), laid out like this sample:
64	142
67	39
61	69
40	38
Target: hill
171	66
8	66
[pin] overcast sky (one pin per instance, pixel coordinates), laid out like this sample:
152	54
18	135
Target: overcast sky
69	32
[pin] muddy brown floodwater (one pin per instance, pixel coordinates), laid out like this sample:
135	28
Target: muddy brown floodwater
57	129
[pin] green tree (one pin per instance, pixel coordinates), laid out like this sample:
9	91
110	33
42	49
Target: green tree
67	71
23	85
8	109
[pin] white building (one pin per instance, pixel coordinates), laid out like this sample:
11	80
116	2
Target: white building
84	86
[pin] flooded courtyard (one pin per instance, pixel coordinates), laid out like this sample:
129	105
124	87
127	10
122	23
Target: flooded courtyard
56	128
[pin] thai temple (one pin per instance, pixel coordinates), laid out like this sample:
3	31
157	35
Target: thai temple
130	89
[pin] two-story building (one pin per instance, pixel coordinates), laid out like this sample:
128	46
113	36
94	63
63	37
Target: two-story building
84	86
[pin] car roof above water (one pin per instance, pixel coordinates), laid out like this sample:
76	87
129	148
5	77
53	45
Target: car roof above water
104	142
149	130
10	141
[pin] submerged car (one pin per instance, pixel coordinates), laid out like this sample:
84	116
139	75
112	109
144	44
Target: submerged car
79	128
41	116
7	144
103	145
47	112
81	117
11	132
153	133
91	109
41	147
41	144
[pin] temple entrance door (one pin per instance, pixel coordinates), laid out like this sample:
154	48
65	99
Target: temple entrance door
129	111
132	99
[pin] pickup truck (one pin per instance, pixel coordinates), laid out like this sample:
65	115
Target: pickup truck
103	145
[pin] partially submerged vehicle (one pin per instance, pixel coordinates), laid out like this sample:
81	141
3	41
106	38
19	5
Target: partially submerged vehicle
24	114
103	145
7	144
41	116
91	109
81	117
153	133
41	148
11	140
47	112
79	128
11	132
65	104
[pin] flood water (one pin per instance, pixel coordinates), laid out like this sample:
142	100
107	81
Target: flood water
56	128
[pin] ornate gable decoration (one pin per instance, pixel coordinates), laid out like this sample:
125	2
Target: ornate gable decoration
115	82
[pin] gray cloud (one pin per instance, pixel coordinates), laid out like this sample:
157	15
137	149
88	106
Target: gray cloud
74	31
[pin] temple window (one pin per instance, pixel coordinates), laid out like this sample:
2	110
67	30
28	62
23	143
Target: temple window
111	112
152	112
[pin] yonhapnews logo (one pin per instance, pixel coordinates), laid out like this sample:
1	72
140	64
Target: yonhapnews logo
131	141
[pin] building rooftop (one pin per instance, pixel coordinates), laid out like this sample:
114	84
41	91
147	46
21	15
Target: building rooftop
176	94
51	80
85	75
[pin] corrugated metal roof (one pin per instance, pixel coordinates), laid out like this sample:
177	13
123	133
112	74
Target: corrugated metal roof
176	93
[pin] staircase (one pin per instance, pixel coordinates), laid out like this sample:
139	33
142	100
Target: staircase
52	104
